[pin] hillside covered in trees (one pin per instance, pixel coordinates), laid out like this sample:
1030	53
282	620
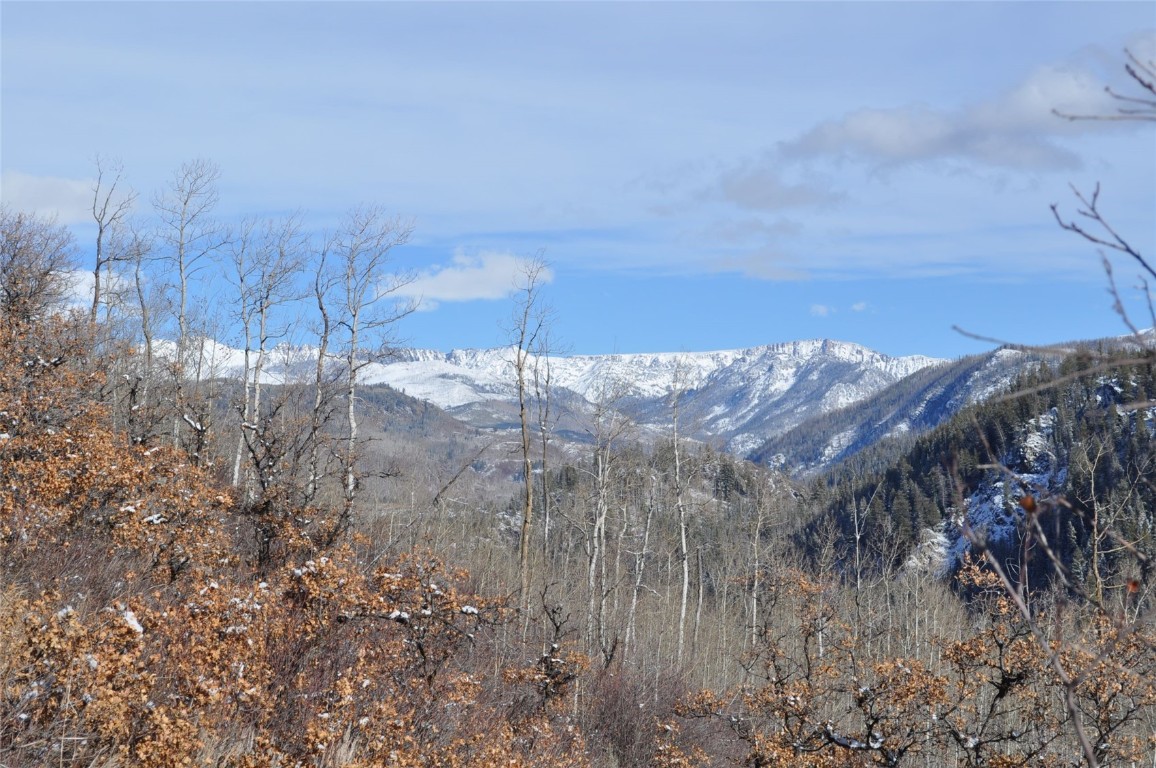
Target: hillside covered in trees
1079	430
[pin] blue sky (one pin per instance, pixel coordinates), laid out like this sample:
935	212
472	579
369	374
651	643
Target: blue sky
699	176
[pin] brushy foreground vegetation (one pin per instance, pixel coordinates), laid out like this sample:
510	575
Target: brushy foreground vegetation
138	628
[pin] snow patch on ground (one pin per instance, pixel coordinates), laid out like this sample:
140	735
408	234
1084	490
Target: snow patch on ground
902	428
1007	359
742	444
992	513
838	444
930	555
992	516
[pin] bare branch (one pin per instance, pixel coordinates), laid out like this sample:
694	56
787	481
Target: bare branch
1107	236
1134	108
108	211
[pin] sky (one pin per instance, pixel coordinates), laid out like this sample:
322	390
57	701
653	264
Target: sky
697	176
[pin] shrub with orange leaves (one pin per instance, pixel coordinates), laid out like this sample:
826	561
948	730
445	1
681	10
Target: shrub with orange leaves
135	631
992	697
815	700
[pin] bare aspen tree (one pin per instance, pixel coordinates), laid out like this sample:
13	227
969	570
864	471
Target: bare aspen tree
609	429
111	203
542	396
184	210
529	319
244	273
766	515
859	515
640	569
367	300
756	565
137	252
266	259
205	371
678	389
701	589
323	285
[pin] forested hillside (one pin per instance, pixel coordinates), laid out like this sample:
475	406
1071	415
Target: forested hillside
905	409
1079	431
213	570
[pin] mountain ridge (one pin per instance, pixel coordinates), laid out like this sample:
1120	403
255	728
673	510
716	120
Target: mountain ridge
909	406
734	398
737	396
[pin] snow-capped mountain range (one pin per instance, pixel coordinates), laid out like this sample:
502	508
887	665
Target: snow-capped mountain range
737	398
740	396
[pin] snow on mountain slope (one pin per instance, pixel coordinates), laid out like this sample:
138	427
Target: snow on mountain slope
464	376
911	405
992	512
741	395
449	381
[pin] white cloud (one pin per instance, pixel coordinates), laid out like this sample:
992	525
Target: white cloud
764	263
487	276
759	186
1017	130
114	288
859	306
69	200
1029	106
891	134
918	134
1143	45
821	310
80	288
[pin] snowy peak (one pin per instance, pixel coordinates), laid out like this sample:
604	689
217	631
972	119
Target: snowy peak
740	395
770	389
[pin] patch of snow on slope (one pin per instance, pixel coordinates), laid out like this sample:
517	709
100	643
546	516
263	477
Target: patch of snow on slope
902	428
930	555
1001	358
742	444
838	443
841	395
462	377
443	382
1034	454
993	513
641	375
